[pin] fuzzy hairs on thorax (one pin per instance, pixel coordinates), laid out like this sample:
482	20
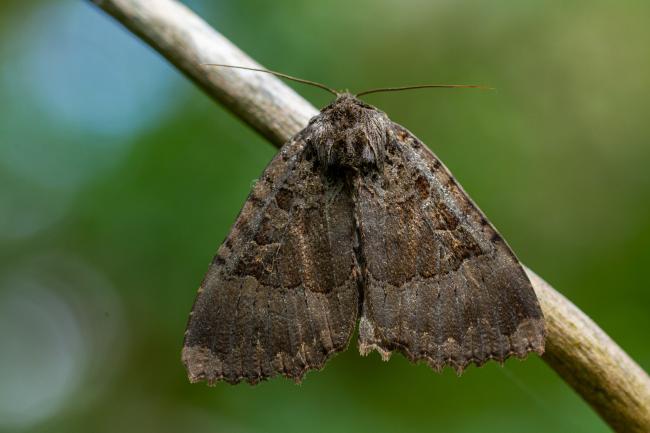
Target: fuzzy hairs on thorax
348	135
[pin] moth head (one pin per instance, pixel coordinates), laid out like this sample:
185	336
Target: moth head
348	135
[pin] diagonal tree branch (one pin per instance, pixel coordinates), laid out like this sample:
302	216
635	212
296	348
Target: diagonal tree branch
592	363
576	348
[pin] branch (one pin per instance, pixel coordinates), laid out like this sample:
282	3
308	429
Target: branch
592	363
576	348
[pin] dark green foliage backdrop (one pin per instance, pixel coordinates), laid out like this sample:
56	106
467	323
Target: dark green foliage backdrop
118	180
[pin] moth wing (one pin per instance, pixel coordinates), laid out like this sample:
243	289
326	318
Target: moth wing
441	285
281	295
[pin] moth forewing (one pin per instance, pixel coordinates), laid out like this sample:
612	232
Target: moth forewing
355	214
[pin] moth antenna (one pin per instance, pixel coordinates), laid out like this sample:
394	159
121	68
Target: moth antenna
425	86
278	74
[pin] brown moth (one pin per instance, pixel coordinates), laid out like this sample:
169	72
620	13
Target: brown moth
356	219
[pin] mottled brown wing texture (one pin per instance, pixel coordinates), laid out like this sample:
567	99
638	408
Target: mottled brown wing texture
441	285
282	294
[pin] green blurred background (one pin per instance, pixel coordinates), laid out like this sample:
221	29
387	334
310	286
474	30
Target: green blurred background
119	179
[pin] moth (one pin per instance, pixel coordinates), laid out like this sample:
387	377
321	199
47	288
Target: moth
356	220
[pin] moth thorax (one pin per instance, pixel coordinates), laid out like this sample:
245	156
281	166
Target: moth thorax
354	149
349	135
